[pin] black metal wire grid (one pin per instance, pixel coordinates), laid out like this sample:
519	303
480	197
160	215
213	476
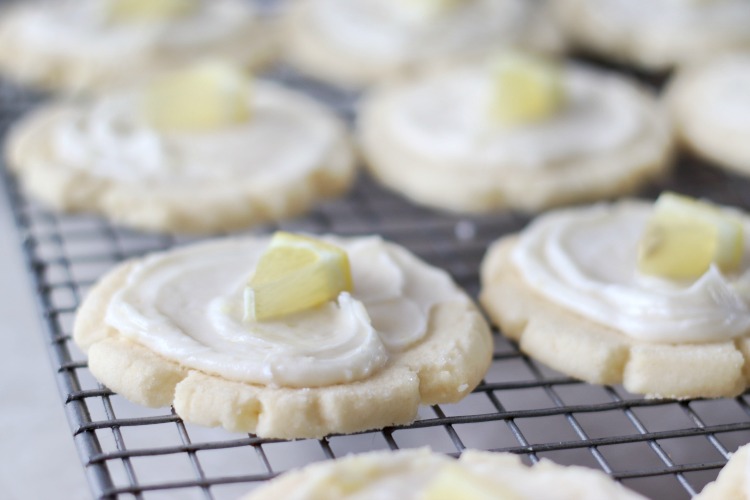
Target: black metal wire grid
663	449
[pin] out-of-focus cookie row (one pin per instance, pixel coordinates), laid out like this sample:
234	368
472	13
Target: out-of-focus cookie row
92	44
461	113
496	130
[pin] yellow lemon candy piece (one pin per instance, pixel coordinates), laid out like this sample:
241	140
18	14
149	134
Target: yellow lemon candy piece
684	236
453	481
150	10
525	88
203	96
294	274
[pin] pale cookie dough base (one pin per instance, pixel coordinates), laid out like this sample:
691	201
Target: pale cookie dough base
597	354
733	481
725	146
253	47
645	47
442	368
466	188
378	475
195	207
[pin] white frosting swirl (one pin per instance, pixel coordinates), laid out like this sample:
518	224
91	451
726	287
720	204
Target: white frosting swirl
585	260
187	306
287	134
392	30
446	117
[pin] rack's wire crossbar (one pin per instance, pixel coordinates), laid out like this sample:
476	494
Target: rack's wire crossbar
66	254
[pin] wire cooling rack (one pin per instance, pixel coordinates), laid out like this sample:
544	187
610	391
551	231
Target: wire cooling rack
663	449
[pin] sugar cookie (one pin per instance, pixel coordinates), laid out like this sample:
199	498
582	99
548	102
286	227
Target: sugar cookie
104	155
655	34
568	290
358	42
733	481
710	104
169	329
95	44
432	138
421	474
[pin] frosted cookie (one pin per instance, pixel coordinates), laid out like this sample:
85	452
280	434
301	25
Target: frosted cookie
358	42
423	475
201	328
710	104
94	44
202	149
733	481
655	34
515	132
656	297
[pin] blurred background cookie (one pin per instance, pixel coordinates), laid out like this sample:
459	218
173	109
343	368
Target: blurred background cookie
201	149
516	131
357	42
710	105
423	475
95	44
655	34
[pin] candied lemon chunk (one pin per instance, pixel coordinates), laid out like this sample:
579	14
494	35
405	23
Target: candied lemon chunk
525	88
453	481
294	274
150	10
684	236
203	96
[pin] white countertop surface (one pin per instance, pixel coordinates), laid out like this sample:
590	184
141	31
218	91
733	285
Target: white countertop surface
37	452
